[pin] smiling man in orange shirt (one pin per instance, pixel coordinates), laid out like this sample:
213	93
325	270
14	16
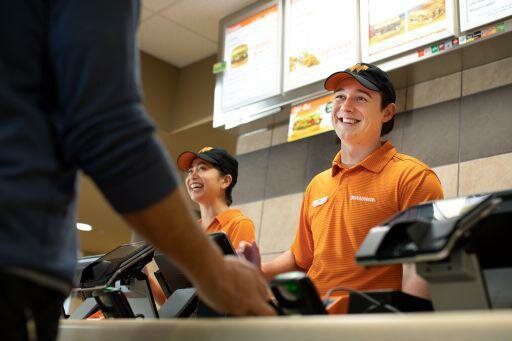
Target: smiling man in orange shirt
368	182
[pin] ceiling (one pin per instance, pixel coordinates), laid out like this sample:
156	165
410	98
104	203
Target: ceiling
182	32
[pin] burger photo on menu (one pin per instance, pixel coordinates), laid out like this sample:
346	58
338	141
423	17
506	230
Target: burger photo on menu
239	55
307	124
310	118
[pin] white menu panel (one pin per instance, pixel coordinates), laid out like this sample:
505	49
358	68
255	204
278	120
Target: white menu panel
252	54
320	38
395	26
475	13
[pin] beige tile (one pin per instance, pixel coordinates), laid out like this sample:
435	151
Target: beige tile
400	100
262	123
252	210
488	76
448	175
486	174
280	134
252	141
270	256
283	116
434	91
279	222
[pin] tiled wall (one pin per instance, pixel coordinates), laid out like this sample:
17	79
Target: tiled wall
459	123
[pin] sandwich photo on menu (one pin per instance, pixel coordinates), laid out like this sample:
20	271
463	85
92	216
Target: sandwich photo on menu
239	55
310	118
308	123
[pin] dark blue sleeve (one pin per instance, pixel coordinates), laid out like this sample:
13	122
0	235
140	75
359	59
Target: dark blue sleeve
101	124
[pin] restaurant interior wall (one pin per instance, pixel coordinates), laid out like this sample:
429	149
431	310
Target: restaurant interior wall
454	114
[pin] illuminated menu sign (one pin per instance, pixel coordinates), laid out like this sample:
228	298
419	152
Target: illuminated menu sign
474	13
320	38
310	118
394	26
252	55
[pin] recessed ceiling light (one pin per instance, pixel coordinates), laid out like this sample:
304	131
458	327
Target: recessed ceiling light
83	227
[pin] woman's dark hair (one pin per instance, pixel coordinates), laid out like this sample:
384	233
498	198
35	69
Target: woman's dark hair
229	190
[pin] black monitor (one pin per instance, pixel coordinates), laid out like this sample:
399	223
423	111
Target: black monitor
81	264
122	261
426	232
173	277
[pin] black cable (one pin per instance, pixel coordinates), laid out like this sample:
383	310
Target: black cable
376	303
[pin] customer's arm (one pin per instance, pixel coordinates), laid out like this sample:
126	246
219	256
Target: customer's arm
103	130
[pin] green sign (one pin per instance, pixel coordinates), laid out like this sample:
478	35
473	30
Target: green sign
219	67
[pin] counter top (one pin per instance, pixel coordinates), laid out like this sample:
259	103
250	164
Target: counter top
451	326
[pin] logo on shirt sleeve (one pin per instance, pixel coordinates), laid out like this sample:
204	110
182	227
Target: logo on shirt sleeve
319	202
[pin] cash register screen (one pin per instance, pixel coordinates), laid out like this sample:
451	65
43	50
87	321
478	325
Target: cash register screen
123	252
440	210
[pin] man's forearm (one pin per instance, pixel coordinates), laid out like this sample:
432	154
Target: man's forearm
283	263
169	226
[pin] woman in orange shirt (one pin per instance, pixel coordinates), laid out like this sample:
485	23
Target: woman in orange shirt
211	175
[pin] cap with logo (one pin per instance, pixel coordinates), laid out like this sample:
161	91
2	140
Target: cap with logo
368	75
218	157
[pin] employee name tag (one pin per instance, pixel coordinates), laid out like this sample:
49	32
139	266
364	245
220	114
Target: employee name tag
319	202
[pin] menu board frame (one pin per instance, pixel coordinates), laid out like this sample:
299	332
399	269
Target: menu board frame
221	113
409	41
466	24
263	107
394	58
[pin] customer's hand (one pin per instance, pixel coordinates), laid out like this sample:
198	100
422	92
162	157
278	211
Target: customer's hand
238	289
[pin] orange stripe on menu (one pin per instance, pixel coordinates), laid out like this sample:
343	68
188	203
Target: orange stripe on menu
311	106
253	18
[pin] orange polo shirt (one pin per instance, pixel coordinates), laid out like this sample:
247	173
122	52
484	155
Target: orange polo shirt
340	206
237	226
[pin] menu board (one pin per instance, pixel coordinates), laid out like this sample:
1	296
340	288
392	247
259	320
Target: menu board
310	118
320	38
474	13
252	55
395	26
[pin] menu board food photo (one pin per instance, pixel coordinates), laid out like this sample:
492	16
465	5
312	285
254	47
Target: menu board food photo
252	54
320	38
310	118
395	26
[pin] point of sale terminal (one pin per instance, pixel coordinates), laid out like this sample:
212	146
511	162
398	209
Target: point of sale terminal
460	247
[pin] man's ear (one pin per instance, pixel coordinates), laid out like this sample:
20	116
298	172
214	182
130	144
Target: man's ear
389	111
